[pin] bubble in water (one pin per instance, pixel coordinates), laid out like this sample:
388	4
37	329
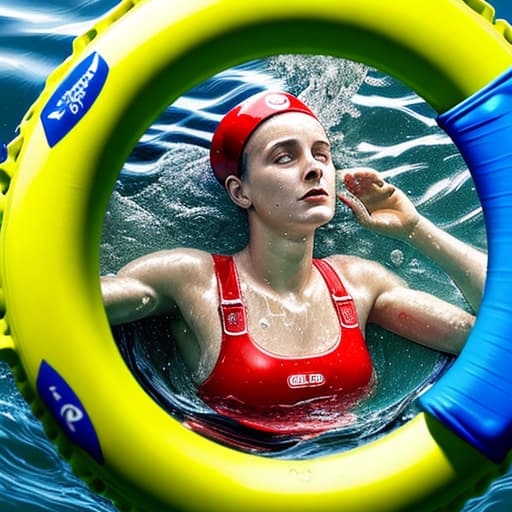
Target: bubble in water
397	257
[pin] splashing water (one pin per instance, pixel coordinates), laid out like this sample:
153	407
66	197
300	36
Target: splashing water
328	83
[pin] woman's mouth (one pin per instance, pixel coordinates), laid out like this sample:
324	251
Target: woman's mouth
315	194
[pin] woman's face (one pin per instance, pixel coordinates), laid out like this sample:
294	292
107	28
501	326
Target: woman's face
290	177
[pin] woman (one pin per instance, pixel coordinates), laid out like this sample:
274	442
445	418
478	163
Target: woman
270	334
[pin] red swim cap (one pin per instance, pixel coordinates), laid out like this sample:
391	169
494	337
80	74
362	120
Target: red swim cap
239	123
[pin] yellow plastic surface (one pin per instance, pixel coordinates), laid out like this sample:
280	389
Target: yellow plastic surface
57	197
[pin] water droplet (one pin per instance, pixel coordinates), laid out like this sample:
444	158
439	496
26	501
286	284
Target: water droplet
397	257
264	323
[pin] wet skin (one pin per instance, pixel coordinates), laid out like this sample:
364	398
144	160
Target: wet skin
288	191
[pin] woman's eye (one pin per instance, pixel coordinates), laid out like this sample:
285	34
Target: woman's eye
283	159
322	157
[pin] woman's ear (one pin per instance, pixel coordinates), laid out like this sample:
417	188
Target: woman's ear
237	191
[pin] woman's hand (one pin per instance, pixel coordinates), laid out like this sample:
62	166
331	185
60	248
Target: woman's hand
387	210
376	204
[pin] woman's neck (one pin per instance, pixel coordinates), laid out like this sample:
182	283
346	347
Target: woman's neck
280	261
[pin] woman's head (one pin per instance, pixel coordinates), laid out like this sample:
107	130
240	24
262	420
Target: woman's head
289	181
236	127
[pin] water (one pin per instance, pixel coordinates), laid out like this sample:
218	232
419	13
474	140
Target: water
412	152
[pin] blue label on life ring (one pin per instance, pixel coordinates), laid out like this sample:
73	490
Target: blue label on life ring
67	409
74	97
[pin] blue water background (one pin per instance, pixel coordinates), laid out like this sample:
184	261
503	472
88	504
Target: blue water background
36	37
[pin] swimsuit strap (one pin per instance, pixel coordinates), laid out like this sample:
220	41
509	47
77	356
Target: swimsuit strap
343	302
232	308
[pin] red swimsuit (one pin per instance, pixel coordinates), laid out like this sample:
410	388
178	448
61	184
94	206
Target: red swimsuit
259	388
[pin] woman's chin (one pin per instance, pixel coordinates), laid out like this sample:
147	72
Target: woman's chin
319	216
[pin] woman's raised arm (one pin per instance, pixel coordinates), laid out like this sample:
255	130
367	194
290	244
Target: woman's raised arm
385	209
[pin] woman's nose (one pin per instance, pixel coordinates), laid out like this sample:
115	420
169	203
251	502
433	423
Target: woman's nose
314	172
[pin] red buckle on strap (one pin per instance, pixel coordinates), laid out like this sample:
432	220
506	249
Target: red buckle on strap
233	317
346	310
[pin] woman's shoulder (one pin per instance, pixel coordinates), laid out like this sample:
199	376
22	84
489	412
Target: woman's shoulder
181	263
183	256
348	264
358	271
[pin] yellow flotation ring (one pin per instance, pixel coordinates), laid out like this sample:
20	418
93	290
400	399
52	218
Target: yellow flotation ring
56	183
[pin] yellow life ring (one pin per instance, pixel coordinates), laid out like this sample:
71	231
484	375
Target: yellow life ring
56	183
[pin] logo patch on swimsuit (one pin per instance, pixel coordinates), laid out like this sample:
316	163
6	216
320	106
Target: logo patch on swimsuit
347	312
305	380
74	97
233	319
